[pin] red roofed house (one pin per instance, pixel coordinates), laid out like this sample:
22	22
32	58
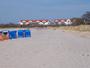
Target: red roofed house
24	22
63	22
34	22
44	22
60	21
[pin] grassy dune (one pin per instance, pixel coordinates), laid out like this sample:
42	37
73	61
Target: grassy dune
73	28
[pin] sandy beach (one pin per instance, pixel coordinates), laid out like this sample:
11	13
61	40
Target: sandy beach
47	48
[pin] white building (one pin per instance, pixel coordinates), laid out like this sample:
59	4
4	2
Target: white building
68	22
44	22
24	22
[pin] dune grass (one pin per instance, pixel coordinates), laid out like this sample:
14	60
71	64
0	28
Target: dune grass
73	28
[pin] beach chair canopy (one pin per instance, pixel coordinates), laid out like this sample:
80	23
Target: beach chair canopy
0	32
5	32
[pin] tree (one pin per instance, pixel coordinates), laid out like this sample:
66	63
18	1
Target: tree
76	21
86	17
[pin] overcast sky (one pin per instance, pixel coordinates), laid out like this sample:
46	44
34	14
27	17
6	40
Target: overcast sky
14	10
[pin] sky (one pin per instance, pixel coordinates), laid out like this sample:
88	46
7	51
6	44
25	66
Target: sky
15	10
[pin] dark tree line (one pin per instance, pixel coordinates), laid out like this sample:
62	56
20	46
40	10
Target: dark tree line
86	17
9	25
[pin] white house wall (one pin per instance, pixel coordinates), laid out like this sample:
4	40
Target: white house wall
68	22
59	23
47	23
41	23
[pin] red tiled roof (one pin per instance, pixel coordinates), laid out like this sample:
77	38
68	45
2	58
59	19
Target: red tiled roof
24	21
60	20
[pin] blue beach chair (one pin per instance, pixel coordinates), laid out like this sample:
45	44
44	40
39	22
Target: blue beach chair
21	34
12	34
27	33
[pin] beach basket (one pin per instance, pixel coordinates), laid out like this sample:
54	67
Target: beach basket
27	33
5	35
12	34
21	34
1	37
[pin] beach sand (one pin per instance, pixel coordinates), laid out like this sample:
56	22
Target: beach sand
47	48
